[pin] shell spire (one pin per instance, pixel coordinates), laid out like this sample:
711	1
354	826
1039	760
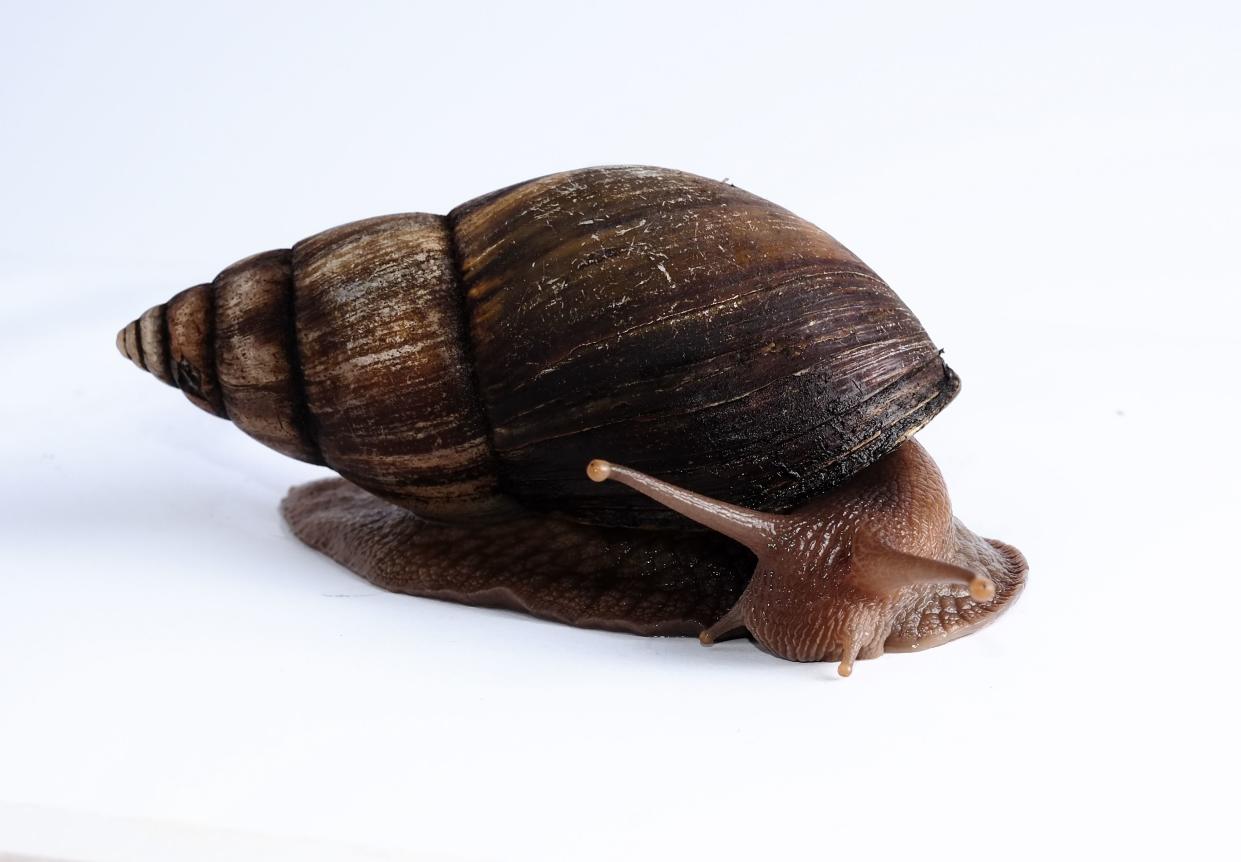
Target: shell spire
229	347
173	341
346	350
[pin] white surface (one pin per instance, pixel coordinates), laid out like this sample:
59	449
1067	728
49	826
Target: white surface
1054	191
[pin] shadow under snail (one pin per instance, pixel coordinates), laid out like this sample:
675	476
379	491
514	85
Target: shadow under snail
460	371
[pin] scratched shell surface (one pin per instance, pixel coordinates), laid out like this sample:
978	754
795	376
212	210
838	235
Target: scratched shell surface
451	364
687	328
387	382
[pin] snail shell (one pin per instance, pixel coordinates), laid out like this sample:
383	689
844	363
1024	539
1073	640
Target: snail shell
459	365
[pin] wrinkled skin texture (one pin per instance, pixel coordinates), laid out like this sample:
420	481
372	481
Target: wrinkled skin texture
828	584
818	594
638	581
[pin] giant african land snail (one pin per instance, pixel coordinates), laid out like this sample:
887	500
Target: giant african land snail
460	371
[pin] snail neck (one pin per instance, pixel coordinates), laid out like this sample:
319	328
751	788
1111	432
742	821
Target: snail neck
839	577
832	581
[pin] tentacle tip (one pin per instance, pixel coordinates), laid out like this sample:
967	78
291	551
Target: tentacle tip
982	589
705	638
845	668
599	470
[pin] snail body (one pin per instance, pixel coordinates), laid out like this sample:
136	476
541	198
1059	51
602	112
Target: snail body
459	371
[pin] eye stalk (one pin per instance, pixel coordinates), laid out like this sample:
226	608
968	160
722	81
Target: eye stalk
883	569
755	530
835	585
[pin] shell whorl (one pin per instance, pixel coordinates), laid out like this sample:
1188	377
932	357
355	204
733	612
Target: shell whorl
175	342
345	350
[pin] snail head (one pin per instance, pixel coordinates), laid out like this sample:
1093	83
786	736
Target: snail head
878	563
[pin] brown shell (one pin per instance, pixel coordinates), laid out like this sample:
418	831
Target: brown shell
452	364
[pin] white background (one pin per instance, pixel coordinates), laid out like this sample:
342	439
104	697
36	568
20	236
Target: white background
1053	188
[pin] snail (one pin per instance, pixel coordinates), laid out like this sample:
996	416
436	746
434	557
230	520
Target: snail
740	389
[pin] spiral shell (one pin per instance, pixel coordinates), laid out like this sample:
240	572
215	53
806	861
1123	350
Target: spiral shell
454	365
